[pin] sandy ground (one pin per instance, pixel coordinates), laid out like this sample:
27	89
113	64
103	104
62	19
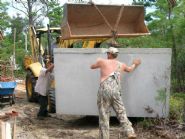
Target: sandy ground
71	127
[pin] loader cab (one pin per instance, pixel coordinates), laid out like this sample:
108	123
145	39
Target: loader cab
47	38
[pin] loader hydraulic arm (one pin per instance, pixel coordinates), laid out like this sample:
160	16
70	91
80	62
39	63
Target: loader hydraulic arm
35	42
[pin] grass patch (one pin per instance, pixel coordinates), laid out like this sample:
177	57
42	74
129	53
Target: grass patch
177	107
176	113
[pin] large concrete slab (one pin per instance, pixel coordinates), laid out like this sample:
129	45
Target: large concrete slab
145	91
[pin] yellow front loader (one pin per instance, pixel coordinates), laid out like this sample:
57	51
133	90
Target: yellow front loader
89	24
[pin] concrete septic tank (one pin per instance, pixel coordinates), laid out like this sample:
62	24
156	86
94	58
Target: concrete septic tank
145	91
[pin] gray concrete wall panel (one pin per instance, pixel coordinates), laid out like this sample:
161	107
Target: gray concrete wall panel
145	91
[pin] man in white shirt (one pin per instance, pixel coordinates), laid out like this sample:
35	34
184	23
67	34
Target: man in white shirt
42	86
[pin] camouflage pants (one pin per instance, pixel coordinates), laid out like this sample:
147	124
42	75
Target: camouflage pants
109	96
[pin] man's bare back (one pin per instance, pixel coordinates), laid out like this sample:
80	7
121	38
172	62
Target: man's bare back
108	66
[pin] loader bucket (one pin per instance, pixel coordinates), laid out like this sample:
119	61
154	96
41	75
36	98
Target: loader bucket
83	21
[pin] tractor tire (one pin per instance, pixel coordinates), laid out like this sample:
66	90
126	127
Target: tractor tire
32	96
51	101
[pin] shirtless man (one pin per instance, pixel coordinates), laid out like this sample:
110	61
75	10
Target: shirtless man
109	93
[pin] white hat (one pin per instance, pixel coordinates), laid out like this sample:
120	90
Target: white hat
112	50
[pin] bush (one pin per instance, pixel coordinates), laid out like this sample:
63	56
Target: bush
20	74
177	106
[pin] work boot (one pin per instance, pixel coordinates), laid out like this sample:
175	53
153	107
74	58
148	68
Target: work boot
132	136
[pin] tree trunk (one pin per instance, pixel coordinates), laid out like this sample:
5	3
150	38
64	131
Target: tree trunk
174	51
30	14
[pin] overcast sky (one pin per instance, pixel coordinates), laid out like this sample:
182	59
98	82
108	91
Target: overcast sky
13	12
105	1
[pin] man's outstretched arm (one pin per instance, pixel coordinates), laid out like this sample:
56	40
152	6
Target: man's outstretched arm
136	62
50	68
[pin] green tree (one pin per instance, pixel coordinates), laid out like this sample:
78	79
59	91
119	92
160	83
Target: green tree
34	10
146	3
4	18
167	26
7	45
177	20
54	13
18	22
